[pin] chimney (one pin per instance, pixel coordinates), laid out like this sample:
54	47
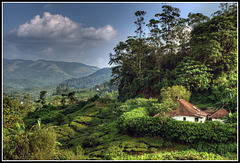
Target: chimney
176	98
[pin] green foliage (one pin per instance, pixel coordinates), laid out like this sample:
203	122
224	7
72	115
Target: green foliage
231	118
169	93
13	110
214	42
153	141
190	154
193	75
38	144
135	116
42	97
43	143
188	132
144	65
130	121
221	148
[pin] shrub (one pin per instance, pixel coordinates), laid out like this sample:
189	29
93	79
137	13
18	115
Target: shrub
16	147
43	143
113	152
190	154
38	144
129	121
91	141
220	148
169	93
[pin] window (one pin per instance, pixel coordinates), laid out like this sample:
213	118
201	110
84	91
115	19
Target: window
196	119
184	118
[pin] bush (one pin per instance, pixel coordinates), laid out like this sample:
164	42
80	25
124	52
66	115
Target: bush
43	143
94	98
188	132
38	144
113	152
220	148
169	93
38	113
129	122
190	154
91	141
16	147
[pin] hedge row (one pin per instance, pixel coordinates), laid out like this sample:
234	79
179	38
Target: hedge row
137	123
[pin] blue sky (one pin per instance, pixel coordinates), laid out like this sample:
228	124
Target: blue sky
77	32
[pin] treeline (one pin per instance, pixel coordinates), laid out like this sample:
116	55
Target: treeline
199	53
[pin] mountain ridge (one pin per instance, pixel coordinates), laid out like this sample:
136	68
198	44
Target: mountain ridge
98	77
42	72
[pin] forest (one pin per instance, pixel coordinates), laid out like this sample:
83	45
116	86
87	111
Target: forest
194	58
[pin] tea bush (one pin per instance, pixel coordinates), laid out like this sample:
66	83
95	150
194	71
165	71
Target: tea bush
220	148
190	154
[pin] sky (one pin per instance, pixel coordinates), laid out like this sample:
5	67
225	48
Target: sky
78	31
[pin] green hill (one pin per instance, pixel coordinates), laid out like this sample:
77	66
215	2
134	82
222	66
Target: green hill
26	73
98	77
100	128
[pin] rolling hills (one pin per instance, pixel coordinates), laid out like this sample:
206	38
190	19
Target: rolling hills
26	73
98	77
34	76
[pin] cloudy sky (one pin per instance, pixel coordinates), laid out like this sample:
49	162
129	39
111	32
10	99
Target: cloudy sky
77	32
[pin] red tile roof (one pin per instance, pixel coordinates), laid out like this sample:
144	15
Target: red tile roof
220	114
187	109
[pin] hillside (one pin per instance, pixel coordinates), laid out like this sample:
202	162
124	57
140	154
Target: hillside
98	77
108	130
26	73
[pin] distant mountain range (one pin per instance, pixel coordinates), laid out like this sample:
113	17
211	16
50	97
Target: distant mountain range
20	73
98	77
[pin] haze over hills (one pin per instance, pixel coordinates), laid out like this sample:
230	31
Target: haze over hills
20	73
89	81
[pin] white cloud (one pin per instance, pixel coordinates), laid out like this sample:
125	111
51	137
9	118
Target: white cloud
58	26
55	37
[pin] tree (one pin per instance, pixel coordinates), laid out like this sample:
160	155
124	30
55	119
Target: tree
193	75
72	97
225	9
168	19
169	93
139	23
27	104
11	111
67	87
195	19
42	97
214	43
63	100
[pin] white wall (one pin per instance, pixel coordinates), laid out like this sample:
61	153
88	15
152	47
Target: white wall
214	119
190	118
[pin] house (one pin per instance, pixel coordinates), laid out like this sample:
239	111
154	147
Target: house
187	112
219	114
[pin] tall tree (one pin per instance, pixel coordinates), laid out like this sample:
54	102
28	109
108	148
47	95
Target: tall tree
168	20
193	75
214	43
42	97
195	19
72	97
138	44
